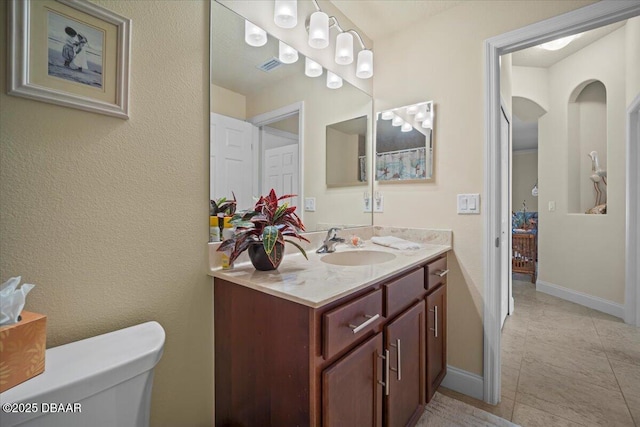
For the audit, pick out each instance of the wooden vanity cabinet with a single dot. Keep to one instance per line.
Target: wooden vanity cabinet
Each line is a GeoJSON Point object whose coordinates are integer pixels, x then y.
{"type": "Point", "coordinates": [358, 361]}
{"type": "Point", "coordinates": [436, 299]}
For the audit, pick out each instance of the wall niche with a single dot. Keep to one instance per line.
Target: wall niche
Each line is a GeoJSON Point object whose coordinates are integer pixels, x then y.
{"type": "Point", "coordinates": [587, 156]}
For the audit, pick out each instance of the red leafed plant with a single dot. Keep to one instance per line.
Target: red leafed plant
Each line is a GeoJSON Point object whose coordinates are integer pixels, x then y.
{"type": "Point", "coordinates": [267, 224]}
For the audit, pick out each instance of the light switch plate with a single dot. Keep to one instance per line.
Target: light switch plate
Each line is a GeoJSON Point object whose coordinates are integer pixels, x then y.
{"type": "Point", "coordinates": [378, 202]}
{"type": "Point", "coordinates": [552, 206]}
{"type": "Point", "coordinates": [310, 204]}
{"type": "Point", "coordinates": [469, 204]}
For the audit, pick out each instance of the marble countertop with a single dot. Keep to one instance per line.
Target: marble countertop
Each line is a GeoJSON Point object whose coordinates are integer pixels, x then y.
{"type": "Point", "coordinates": [315, 283]}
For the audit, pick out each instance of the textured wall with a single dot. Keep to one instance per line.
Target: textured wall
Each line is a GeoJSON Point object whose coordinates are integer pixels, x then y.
{"type": "Point", "coordinates": [446, 56]}
{"type": "Point", "coordinates": [109, 217]}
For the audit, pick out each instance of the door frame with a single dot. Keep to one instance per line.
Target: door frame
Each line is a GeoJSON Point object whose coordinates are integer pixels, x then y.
{"type": "Point", "coordinates": [277, 115]}
{"type": "Point", "coordinates": [577, 21]}
{"type": "Point", "coordinates": [632, 290]}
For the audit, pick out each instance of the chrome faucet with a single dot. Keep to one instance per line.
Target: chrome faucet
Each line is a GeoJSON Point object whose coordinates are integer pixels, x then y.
{"type": "Point", "coordinates": [330, 241]}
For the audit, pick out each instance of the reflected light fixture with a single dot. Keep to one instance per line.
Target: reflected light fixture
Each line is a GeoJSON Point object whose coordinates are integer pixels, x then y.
{"type": "Point", "coordinates": [254, 35]}
{"type": "Point", "coordinates": [412, 109]}
{"type": "Point", "coordinates": [558, 44]}
{"type": "Point", "coordinates": [427, 123]}
{"type": "Point", "coordinates": [333, 81]}
{"type": "Point", "coordinates": [421, 114]}
{"type": "Point", "coordinates": [344, 49]}
{"type": "Point", "coordinates": [397, 121]}
{"type": "Point", "coordinates": [387, 115]}
{"type": "Point", "coordinates": [319, 30]}
{"type": "Point", "coordinates": [285, 13]}
{"type": "Point", "coordinates": [312, 68]}
{"type": "Point", "coordinates": [534, 190]}
{"type": "Point", "coordinates": [406, 127]}
{"type": "Point", "coordinates": [287, 54]}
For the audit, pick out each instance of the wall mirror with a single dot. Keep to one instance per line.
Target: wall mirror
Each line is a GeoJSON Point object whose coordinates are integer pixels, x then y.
{"type": "Point", "coordinates": [268, 128]}
{"type": "Point", "coordinates": [347, 153]}
{"type": "Point", "coordinates": [404, 143]}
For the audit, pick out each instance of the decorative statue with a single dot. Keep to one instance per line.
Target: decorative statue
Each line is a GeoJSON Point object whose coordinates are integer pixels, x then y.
{"type": "Point", "coordinates": [597, 175]}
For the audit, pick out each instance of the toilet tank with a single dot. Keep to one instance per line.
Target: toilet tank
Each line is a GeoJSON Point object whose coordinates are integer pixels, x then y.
{"type": "Point", "coordinates": [103, 381]}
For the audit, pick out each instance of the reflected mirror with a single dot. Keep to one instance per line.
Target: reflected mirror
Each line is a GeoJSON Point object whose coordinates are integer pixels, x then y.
{"type": "Point", "coordinates": [269, 124]}
{"type": "Point", "coordinates": [347, 153]}
{"type": "Point", "coordinates": [404, 143]}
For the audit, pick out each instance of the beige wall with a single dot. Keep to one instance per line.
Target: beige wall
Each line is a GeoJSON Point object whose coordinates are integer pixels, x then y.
{"type": "Point", "coordinates": [633, 58]}
{"type": "Point", "coordinates": [570, 245]}
{"type": "Point", "coordinates": [228, 103]}
{"type": "Point", "coordinates": [446, 60]}
{"type": "Point", "coordinates": [525, 175]}
{"type": "Point", "coordinates": [109, 217]}
{"type": "Point", "coordinates": [342, 155]}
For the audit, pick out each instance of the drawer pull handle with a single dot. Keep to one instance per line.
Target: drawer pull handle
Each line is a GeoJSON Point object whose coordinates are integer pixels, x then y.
{"type": "Point", "coordinates": [370, 320]}
{"type": "Point", "coordinates": [441, 273]}
{"type": "Point", "coordinates": [385, 383]}
{"type": "Point", "coordinates": [399, 369]}
{"type": "Point", "coordinates": [435, 316]}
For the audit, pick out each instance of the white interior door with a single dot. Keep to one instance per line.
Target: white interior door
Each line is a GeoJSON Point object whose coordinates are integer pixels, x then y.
{"type": "Point", "coordinates": [505, 220]}
{"type": "Point", "coordinates": [231, 159]}
{"type": "Point", "coordinates": [280, 171]}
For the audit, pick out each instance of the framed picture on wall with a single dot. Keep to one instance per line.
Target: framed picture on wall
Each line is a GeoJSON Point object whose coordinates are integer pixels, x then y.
{"type": "Point", "coordinates": [71, 53]}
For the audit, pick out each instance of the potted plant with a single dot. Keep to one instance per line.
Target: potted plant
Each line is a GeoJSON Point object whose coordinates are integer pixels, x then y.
{"type": "Point", "coordinates": [263, 232]}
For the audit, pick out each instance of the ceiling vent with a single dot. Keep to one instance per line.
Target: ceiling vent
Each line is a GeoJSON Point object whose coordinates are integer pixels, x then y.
{"type": "Point", "coordinates": [269, 65]}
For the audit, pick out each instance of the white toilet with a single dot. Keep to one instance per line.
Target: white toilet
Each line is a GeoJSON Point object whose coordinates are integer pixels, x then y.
{"type": "Point", "coordinates": [103, 381]}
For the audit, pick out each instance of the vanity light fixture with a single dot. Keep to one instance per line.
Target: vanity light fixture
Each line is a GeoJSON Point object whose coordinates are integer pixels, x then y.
{"type": "Point", "coordinates": [421, 114]}
{"type": "Point", "coordinates": [287, 54]}
{"type": "Point", "coordinates": [412, 109]}
{"type": "Point", "coordinates": [312, 68]}
{"type": "Point", "coordinates": [558, 44]}
{"type": "Point", "coordinates": [254, 35]}
{"type": "Point", "coordinates": [406, 127]}
{"type": "Point", "coordinates": [427, 123]}
{"type": "Point", "coordinates": [285, 13]}
{"type": "Point", "coordinates": [319, 30]}
{"type": "Point", "coordinates": [333, 81]}
{"type": "Point", "coordinates": [387, 115]}
{"type": "Point", "coordinates": [364, 67]}
{"type": "Point", "coordinates": [397, 121]}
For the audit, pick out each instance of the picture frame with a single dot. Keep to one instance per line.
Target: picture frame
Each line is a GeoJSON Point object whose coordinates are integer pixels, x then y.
{"type": "Point", "coordinates": [71, 53]}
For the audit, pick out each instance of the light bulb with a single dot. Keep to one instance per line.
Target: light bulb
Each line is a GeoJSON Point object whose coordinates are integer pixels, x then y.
{"type": "Point", "coordinates": [312, 68]}
{"type": "Point", "coordinates": [319, 30]}
{"type": "Point", "coordinates": [387, 115]}
{"type": "Point", "coordinates": [333, 81]}
{"type": "Point", "coordinates": [287, 54]}
{"type": "Point", "coordinates": [344, 49]}
{"type": "Point", "coordinates": [406, 127]}
{"type": "Point", "coordinates": [285, 13]}
{"type": "Point", "coordinates": [254, 35]}
{"type": "Point", "coordinates": [397, 121]}
{"type": "Point", "coordinates": [364, 69]}
{"type": "Point", "coordinates": [421, 114]}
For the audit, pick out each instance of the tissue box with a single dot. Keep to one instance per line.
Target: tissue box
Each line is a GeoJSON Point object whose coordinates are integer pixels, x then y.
{"type": "Point", "coordinates": [22, 348]}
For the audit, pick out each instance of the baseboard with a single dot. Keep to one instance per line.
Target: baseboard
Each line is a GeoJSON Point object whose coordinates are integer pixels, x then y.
{"type": "Point", "coordinates": [581, 298]}
{"type": "Point", "coordinates": [464, 382]}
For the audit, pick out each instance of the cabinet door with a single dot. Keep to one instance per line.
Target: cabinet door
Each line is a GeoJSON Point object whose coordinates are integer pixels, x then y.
{"type": "Point", "coordinates": [436, 339]}
{"type": "Point", "coordinates": [352, 388]}
{"type": "Point", "coordinates": [405, 342]}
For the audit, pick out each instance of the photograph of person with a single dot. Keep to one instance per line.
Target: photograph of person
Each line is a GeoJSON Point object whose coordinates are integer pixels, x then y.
{"type": "Point", "coordinates": [75, 50]}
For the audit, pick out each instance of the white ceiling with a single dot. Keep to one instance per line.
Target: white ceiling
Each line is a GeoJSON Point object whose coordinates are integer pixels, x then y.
{"type": "Point", "coordinates": [381, 18]}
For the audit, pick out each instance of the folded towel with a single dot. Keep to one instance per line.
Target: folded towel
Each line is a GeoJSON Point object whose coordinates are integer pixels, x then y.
{"type": "Point", "coordinates": [394, 242]}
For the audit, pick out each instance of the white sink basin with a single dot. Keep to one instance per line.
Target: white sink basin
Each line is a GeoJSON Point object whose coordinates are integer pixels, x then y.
{"type": "Point", "coordinates": [352, 258]}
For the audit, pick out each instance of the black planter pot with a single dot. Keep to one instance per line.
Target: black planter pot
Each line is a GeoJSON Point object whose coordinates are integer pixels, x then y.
{"type": "Point", "coordinates": [259, 257]}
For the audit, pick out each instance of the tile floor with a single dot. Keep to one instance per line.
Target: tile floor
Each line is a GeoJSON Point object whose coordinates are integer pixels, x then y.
{"type": "Point", "coordinates": [565, 365]}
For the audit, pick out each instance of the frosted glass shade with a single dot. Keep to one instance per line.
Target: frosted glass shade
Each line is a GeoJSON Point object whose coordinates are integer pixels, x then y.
{"type": "Point", "coordinates": [344, 49]}
{"type": "Point", "coordinates": [396, 121]}
{"type": "Point", "coordinates": [312, 68]}
{"type": "Point", "coordinates": [412, 109]}
{"type": "Point", "coordinates": [364, 68]}
{"type": "Point", "coordinates": [406, 127]}
{"type": "Point", "coordinates": [421, 114]}
{"type": "Point", "coordinates": [387, 115]}
{"type": "Point", "coordinates": [558, 44]}
{"type": "Point", "coordinates": [285, 13]}
{"type": "Point", "coordinates": [427, 123]}
{"type": "Point", "coordinates": [254, 35]}
{"type": "Point", "coordinates": [333, 81]}
{"type": "Point", "coordinates": [287, 54]}
{"type": "Point", "coordinates": [319, 30]}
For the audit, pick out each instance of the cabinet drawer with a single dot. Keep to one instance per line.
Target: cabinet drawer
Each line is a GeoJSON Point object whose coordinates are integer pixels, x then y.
{"type": "Point", "coordinates": [402, 292]}
{"type": "Point", "coordinates": [348, 323]}
{"type": "Point", "coordinates": [437, 273]}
